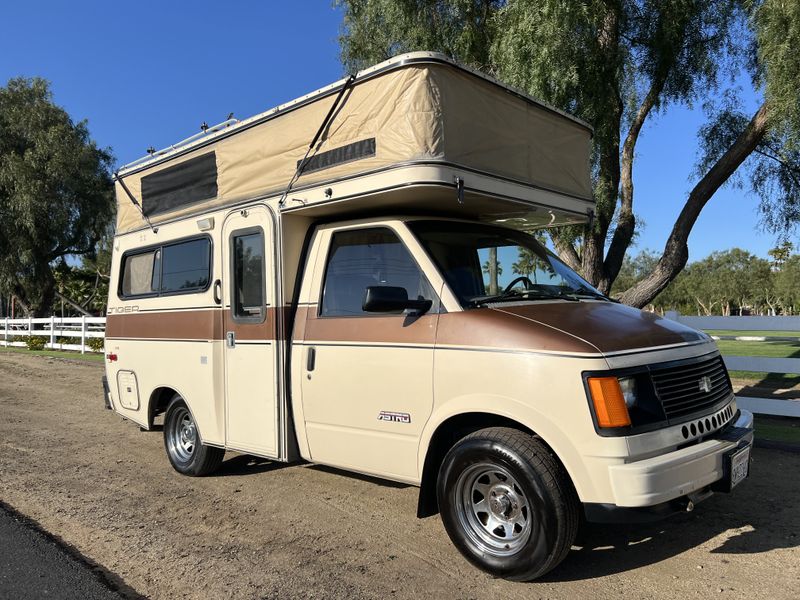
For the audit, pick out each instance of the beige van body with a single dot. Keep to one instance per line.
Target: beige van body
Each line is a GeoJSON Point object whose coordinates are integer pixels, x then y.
{"type": "Point", "coordinates": [229, 308]}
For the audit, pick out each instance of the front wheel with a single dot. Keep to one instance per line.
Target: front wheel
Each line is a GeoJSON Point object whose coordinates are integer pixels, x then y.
{"type": "Point", "coordinates": [185, 449]}
{"type": "Point", "coordinates": [507, 503]}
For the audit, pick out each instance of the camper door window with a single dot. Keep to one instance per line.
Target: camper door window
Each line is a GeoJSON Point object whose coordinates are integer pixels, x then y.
{"type": "Point", "coordinates": [249, 275]}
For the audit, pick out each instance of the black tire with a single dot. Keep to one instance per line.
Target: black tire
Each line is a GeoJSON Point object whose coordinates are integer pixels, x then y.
{"type": "Point", "coordinates": [507, 503]}
{"type": "Point", "coordinates": [185, 449]}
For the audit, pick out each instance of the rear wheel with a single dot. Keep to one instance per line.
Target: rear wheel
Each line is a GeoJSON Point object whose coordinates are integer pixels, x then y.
{"type": "Point", "coordinates": [185, 449]}
{"type": "Point", "coordinates": [507, 503]}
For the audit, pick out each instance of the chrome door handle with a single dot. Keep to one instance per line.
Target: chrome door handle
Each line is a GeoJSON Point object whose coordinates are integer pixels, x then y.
{"type": "Point", "coordinates": [218, 291]}
{"type": "Point", "coordinates": [230, 339]}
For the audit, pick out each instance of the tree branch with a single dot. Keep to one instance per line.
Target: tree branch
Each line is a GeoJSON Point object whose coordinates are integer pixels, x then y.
{"type": "Point", "coordinates": [793, 170]}
{"type": "Point", "coordinates": [73, 304]}
{"type": "Point", "coordinates": [676, 251]}
{"type": "Point", "coordinates": [626, 221]}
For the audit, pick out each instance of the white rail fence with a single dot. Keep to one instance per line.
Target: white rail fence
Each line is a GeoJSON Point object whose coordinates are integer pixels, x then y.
{"type": "Point", "coordinates": [784, 407]}
{"type": "Point", "coordinates": [76, 330]}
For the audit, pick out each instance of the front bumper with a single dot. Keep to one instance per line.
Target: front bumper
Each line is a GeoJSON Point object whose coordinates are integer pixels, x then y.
{"type": "Point", "coordinates": [664, 483]}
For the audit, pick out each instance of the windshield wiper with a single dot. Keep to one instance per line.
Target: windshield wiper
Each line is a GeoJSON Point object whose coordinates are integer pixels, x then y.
{"type": "Point", "coordinates": [583, 292]}
{"type": "Point", "coordinates": [526, 295]}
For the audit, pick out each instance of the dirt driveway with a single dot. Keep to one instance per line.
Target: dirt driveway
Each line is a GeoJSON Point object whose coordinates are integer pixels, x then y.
{"type": "Point", "coordinates": [260, 530]}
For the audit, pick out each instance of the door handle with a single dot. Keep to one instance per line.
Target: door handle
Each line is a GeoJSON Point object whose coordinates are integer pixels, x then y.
{"type": "Point", "coordinates": [311, 358]}
{"type": "Point", "coordinates": [218, 291]}
{"type": "Point", "coordinates": [230, 339]}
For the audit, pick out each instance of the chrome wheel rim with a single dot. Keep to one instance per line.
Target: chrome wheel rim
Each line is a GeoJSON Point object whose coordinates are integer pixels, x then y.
{"type": "Point", "coordinates": [182, 435]}
{"type": "Point", "coordinates": [493, 509]}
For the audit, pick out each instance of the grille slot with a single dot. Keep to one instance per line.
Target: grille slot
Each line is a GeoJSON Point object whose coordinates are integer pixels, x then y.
{"type": "Point", "coordinates": [680, 391]}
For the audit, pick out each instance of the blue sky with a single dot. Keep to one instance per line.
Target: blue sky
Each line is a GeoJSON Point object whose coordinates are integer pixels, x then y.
{"type": "Point", "coordinates": [150, 73]}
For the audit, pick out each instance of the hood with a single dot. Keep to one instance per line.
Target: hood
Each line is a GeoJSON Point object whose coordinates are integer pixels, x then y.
{"type": "Point", "coordinates": [607, 326]}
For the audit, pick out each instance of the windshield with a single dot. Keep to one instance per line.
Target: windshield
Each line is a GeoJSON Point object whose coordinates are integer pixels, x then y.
{"type": "Point", "coordinates": [484, 263]}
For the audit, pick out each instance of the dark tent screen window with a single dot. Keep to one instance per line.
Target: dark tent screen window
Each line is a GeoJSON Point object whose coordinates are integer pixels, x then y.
{"type": "Point", "coordinates": [189, 182]}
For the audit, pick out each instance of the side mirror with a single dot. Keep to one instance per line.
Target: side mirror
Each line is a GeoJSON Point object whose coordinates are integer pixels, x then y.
{"type": "Point", "coordinates": [384, 298]}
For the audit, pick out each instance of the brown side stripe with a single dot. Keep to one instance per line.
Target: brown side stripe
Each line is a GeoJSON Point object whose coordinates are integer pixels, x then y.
{"type": "Point", "coordinates": [189, 325]}
{"type": "Point", "coordinates": [184, 325]}
{"type": "Point", "coordinates": [608, 327]}
{"type": "Point", "coordinates": [395, 329]}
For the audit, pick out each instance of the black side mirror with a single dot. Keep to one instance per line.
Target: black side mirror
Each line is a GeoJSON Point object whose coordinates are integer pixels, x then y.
{"type": "Point", "coordinates": [384, 298]}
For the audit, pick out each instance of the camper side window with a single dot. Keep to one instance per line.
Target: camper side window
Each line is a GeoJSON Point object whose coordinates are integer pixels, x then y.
{"type": "Point", "coordinates": [177, 268]}
{"type": "Point", "coordinates": [138, 275]}
{"type": "Point", "coordinates": [248, 275]}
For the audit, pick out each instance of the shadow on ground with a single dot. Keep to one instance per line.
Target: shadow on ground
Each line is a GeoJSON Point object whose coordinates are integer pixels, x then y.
{"type": "Point", "coordinates": [243, 464]}
{"type": "Point", "coordinates": [757, 517]}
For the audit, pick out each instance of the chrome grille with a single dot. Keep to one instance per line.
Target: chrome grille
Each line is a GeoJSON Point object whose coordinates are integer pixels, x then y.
{"type": "Point", "coordinates": [690, 388]}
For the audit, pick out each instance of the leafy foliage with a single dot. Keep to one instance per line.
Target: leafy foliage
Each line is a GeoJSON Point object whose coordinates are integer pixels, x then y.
{"type": "Point", "coordinates": [36, 342]}
{"type": "Point", "coordinates": [724, 283]}
{"type": "Point", "coordinates": [613, 64]}
{"type": "Point", "coordinates": [96, 344]}
{"type": "Point", "coordinates": [55, 191]}
{"type": "Point", "coordinates": [375, 30]}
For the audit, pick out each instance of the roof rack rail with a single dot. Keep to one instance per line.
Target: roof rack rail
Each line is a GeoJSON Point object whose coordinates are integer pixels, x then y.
{"type": "Point", "coordinates": [186, 142]}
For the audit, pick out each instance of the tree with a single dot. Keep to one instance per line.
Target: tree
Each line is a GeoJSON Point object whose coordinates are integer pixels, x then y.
{"type": "Point", "coordinates": [527, 262]}
{"type": "Point", "coordinates": [615, 63]}
{"type": "Point", "coordinates": [781, 253]}
{"type": "Point", "coordinates": [787, 285]}
{"type": "Point", "coordinates": [83, 288]}
{"type": "Point", "coordinates": [494, 270]}
{"type": "Point", "coordinates": [56, 194]}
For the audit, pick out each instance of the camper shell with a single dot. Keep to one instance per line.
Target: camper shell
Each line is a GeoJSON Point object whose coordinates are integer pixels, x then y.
{"type": "Point", "coordinates": [280, 286]}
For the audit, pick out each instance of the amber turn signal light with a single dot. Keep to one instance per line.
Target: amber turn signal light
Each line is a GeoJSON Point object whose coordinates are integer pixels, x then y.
{"type": "Point", "coordinates": [609, 403]}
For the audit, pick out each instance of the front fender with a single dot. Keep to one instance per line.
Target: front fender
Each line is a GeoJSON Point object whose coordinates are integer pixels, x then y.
{"type": "Point", "coordinates": [565, 447]}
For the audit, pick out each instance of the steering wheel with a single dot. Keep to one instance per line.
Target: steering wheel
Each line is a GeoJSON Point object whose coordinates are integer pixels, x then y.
{"type": "Point", "coordinates": [521, 279]}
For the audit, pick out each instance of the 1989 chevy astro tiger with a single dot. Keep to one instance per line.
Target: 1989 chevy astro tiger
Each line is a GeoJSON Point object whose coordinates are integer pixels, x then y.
{"type": "Point", "coordinates": [374, 301]}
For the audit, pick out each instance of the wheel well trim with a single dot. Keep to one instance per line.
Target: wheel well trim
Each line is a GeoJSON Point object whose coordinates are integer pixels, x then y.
{"type": "Point", "coordinates": [523, 415]}
{"type": "Point", "coordinates": [174, 390]}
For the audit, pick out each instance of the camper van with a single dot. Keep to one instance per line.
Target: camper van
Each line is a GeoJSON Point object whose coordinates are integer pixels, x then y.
{"type": "Point", "coordinates": [356, 279]}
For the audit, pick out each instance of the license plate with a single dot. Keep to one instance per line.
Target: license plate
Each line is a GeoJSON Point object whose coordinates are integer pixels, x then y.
{"type": "Point", "coordinates": [740, 466]}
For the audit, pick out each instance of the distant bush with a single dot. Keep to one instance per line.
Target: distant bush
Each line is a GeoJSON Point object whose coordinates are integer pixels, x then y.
{"type": "Point", "coordinates": [65, 340]}
{"type": "Point", "coordinates": [96, 344]}
{"type": "Point", "coordinates": [36, 342]}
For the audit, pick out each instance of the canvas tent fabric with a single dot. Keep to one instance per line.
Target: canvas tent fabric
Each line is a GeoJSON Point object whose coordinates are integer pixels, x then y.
{"type": "Point", "coordinates": [415, 113]}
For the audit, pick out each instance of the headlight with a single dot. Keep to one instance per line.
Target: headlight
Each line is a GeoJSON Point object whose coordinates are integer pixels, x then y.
{"type": "Point", "coordinates": [628, 387]}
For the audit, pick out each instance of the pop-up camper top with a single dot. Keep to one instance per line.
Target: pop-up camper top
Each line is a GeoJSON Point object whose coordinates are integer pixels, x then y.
{"type": "Point", "coordinates": [349, 279]}
{"type": "Point", "coordinates": [402, 136]}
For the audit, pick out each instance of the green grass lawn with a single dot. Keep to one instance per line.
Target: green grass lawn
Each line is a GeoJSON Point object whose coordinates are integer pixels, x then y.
{"type": "Point", "coordinates": [90, 356]}
{"type": "Point", "coordinates": [763, 349]}
{"type": "Point", "coordinates": [778, 429]}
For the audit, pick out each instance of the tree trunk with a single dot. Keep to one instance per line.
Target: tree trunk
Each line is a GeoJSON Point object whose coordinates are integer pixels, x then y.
{"type": "Point", "coordinates": [676, 250]}
{"type": "Point", "coordinates": [607, 187]}
{"type": "Point", "coordinates": [567, 253]}
{"type": "Point", "coordinates": [626, 221]}
{"type": "Point", "coordinates": [494, 287]}
{"type": "Point", "coordinates": [16, 297]}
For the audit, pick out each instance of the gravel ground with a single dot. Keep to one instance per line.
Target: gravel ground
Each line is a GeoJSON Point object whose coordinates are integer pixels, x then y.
{"type": "Point", "coordinates": [263, 530]}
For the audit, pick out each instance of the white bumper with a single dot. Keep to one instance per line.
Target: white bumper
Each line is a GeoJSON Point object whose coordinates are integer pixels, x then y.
{"type": "Point", "coordinates": [675, 474]}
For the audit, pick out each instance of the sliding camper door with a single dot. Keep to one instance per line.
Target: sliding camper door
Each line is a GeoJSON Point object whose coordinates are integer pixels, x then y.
{"type": "Point", "coordinates": [251, 405]}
